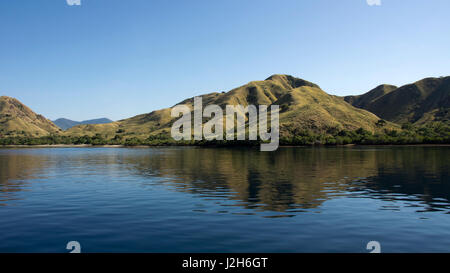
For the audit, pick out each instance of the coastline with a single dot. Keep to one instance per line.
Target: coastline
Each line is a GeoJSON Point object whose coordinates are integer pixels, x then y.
{"type": "Point", "coordinates": [210, 146]}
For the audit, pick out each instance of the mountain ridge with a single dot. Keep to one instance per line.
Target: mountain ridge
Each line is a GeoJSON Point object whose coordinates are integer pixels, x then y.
{"type": "Point", "coordinates": [304, 106]}
{"type": "Point", "coordinates": [65, 124]}
{"type": "Point", "coordinates": [364, 100]}
{"type": "Point", "coordinates": [421, 102]}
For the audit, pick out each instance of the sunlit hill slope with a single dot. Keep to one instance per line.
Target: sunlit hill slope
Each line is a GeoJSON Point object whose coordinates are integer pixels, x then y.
{"type": "Point", "coordinates": [16, 119]}
{"type": "Point", "coordinates": [303, 106]}
{"type": "Point", "coordinates": [421, 102]}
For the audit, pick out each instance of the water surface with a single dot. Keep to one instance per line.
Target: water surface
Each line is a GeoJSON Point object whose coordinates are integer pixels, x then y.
{"type": "Point", "coordinates": [189, 199]}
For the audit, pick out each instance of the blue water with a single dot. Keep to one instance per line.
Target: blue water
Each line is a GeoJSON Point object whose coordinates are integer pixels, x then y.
{"type": "Point", "coordinates": [189, 199]}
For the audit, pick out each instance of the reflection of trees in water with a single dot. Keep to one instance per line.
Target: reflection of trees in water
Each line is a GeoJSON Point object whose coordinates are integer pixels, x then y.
{"type": "Point", "coordinates": [421, 174]}
{"type": "Point", "coordinates": [289, 179]}
{"type": "Point", "coordinates": [303, 177]}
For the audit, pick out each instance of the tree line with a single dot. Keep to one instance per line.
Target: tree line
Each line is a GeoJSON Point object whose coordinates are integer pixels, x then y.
{"type": "Point", "coordinates": [433, 133]}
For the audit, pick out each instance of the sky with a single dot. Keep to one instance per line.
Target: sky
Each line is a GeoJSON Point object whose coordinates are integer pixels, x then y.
{"type": "Point", "coordinates": [120, 58]}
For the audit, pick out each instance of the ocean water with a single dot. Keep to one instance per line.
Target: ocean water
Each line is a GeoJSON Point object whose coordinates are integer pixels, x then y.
{"type": "Point", "coordinates": [190, 199]}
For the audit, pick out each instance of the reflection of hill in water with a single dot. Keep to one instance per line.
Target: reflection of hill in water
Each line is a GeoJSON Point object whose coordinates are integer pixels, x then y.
{"type": "Point", "coordinates": [289, 179]}
{"type": "Point", "coordinates": [303, 177]}
{"type": "Point", "coordinates": [15, 170]}
{"type": "Point", "coordinates": [275, 180]}
{"type": "Point", "coordinates": [411, 174]}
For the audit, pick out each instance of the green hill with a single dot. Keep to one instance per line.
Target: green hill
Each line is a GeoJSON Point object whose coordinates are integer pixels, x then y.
{"type": "Point", "coordinates": [308, 115]}
{"type": "Point", "coordinates": [17, 119]}
{"type": "Point", "coordinates": [304, 106]}
{"type": "Point", "coordinates": [420, 103]}
{"type": "Point", "coordinates": [363, 101]}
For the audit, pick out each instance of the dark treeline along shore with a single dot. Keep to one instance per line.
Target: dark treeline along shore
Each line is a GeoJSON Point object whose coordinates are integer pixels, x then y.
{"type": "Point", "coordinates": [437, 134]}
{"type": "Point", "coordinates": [417, 113]}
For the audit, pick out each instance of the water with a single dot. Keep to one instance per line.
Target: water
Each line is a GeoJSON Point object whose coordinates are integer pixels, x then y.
{"type": "Point", "coordinates": [225, 200]}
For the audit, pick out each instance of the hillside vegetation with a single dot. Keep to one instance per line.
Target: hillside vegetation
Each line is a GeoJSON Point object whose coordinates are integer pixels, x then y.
{"type": "Point", "coordinates": [363, 101]}
{"type": "Point", "coordinates": [420, 103]}
{"type": "Point", "coordinates": [412, 114]}
{"type": "Point", "coordinates": [16, 119]}
{"type": "Point", "coordinates": [303, 106]}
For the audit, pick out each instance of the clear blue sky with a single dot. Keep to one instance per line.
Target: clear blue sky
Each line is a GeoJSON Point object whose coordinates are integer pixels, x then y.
{"type": "Point", "coordinates": [119, 58]}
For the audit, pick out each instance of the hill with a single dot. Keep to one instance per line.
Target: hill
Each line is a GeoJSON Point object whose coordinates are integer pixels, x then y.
{"type": "Point", "coordinates": [363, 101]}
{"type": "Point", "coordinates": [420, 103]}
{"type": "Point", "coordinates": [16, 119]}
{"type": "Point", "coordinates": [65, 124]}
{"type": "Point", "coordinates": [304, 106]}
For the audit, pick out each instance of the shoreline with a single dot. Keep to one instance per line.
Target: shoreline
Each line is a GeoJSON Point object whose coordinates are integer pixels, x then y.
{"type": "Point", "coordinates": [210, 146]}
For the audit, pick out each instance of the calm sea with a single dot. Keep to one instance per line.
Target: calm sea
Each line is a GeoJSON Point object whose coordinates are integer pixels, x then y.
{"type": "Point", "coordinates": [189, 199]}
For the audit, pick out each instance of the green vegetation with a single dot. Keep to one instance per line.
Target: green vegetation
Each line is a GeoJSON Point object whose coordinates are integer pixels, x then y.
{"type": "Point", "coordinates": [365, 100]}
{"type": "Point", "coordinates": [17, 119]}
{"type": "Point", "coordinates": [413, 114]}
{"type": "Point", "coordinates": [303, 105]}
{"type": "Point", "coordinates": [424, 101]}
{"type": "Point", "coordinates": [435, 133]}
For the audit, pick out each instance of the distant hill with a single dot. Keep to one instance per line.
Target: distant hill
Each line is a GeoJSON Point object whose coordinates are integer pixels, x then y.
{"type": "Point", "coordinates": [16, 119]}
{"type": "Point", "coordinates": [65, 124]}
{"type": "Point", "coordinates": [363, 101]}
{"type": "Point", "coordinates": [304, 106]}
{"type": "Point", "coordinates": [421, 102]}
